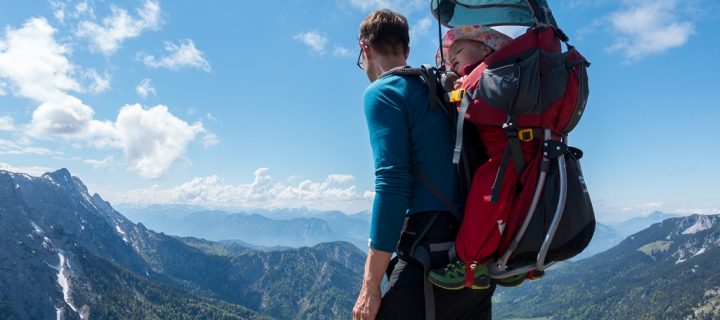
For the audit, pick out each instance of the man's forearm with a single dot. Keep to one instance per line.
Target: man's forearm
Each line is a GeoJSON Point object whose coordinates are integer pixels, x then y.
{"type": "Point", "coordinates": [375, 267]}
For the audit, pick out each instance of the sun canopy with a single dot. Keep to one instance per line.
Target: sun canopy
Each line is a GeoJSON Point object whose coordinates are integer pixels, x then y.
{"type": "Point", "coordinates": [452, 13]}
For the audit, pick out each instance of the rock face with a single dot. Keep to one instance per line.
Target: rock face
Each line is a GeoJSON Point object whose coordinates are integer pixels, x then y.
{"type": "Point", "coordinates": [667, 271]}
{"type": "Point", "coordinates": [66, 254]}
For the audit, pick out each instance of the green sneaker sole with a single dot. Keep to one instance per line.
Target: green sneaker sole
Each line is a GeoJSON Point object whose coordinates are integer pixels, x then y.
{"type": "Point", "coordinates": [480, 283]}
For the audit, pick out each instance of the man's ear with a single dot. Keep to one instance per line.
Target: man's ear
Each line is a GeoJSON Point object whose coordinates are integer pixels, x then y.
{"type": "Point", "coordinates": [407, 52]}
{"type": "Point", "coordinates": [368, 53]}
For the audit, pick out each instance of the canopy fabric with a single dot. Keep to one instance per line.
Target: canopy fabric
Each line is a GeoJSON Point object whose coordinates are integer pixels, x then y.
{"type": "Point", "coordinates": [452, 13]}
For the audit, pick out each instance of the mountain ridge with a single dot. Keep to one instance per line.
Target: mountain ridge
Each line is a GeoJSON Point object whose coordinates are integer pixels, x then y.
{"type": "Point", "coordinates": [56, 239]}
{"type": "Point", "coordinates": [667, 271]}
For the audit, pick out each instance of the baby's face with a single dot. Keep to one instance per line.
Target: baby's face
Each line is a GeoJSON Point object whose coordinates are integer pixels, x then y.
{"type": "Point", "coordinates": [464, 52]}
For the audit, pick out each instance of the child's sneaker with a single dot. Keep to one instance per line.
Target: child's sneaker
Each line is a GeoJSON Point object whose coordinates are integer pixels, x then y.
{"type": "Point", "coordinates": [452, 277]}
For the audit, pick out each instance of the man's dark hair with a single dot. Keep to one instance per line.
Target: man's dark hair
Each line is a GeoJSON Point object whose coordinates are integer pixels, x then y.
{"type": "Point", "coordinates": [386, 32]}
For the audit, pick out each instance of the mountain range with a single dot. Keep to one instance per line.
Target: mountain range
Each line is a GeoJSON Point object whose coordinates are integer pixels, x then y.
{"type": "Point", "coordinates": [284, 228]}
{"type": "Point", "coordinates": [66, 254]}
{"type": "Point", "coordinates": [667, 271]}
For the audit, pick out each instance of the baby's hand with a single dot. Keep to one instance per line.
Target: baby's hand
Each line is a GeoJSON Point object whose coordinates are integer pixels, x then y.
{"type": "Point", "coordinates": [458, 83]}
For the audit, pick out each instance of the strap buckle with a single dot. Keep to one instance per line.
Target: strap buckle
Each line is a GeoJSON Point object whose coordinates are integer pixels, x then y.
{"type": "Point", "coordinates": [457, 95]}
{"type": "Point", "coordinates": [526, 135]}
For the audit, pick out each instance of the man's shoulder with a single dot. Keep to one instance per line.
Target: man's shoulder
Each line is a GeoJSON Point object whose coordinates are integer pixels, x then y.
{"type": "Point", "coordinates": [394, 84]}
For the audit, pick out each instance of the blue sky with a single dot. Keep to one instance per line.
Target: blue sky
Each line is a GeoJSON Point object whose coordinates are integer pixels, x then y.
{"type": "Point", "coordinates": [258, 104]}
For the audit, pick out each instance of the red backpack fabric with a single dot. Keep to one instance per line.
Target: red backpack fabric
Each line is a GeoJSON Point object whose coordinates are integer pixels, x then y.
{"type": "Point", "coordinates": [522, 102]}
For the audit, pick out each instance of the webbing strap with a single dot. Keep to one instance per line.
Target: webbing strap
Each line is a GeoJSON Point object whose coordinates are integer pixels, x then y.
{"type": "Point", "coordinates": [499, 177]}
{"type": "Point", "coordinates": [423, 256]}
{"type": "Point", "coordinates": [464, 104]}
{"type": "Point", "coordinates": [516, 152]}
{"type": "Point", "coordinates": [438, 194]}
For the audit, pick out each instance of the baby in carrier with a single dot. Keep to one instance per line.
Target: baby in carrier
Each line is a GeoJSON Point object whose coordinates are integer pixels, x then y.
{"type": "Point", "coordinates": [485, 219]}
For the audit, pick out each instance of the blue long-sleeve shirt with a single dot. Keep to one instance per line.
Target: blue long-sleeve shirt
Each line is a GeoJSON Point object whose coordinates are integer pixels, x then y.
{"type": "Point", "coordinates": [406, 133]}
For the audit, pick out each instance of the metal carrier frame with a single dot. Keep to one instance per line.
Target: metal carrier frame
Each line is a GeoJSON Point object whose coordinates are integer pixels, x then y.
{"type": "Point", "coordinates": [500, 269]}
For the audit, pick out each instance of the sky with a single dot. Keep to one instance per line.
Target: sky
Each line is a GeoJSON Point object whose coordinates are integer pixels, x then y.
{"type": "Point", "coordinates": [258, 104]}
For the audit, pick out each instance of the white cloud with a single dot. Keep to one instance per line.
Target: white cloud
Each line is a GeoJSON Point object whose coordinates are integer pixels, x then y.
{"type": "Point", "coordinates": [33, 171]}
{"type": "Point", "coordinates": [180, 56]}
{"type": "Point", "coordinates": [37, 68]}
{"type": "Point", "coordinates": [58, 10]}
{"type": "Point", "coordinates": [152, 139]}
{"type": "Point", "coordinates": [107, 162]}
{"type": "Point", "coordinates": [341, 51]}
{"type": "Point", "coordinates": [705, 211]}
{"type": "Point", "coordinates": [119, 26]}
{"type": "Point", "coordinates": [7, 123]}
{"type": "Point", "coordinates": [144, 88]}
{"type": "Point", "coordinates": [647, 27]}
{"type": "Point", "coordinates": [14, 148]}
{"type": "Point", "coordinates": [420, 29]}
{"type": "Point", "coordinates": [67, 117]}
{"type": "Point", "coordinates": [97, 82]}
{"type": "Point", "coordinates": [340, 178]}
{"type": "Point", "coordinates": [403, 6]}
{"type": "Point", "coordinates": [210, 139]}
{"type": "Point", "coordinates": [644, 207]}
{"type": "Point", "coordinates": [313, 40]}
{"type": "Point", "coordinates": [35, 64]}
{"type": "Point", "coordinates": [262, 192]}
{"type": "Point", "coordinates": [84, 9]}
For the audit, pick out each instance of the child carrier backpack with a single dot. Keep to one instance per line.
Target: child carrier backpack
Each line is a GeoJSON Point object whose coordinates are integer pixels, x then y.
{"type": "Point", "coordinates": [535, 92]}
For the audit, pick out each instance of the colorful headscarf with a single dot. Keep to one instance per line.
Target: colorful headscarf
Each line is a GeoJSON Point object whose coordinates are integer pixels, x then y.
{"type": "Point", "coordinates": [488, 36]}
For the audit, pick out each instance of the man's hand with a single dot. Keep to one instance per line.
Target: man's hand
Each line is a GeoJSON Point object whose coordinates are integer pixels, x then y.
{"type": "Point", "coordinates": [368, 302]}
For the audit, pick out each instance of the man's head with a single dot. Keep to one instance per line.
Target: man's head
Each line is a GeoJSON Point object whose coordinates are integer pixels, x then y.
{"type": "Point", "coordinates": [384, 37]}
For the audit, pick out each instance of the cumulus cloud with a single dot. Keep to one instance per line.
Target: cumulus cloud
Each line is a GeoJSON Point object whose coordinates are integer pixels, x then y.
{"type": "Point", "coordinates": [645, 27]}
{"type": "Point", "coordinates": [420, 29]}
{"type": "Point", "coordinates": [97, 83]}
{"type": "Point", "coordinates": [35, 63]}
{"type": "Point", "coordinates": [210, 139]}
{"type": "Point", "coordinates": [182, 55]}
{"type": "Point", "coordinates": [342, 52]}
{"type": "Point", "coordinates": [33, 171]}
{"type": "Point", "coordinates": [144, 88]}
{"type": "Point", "coordinates": [119, 26]}
{"type": "Point", "coordinates": [333, 193]}
{"type": "Point", "coordinates": [58, 10]}
{"type": "Point", "coordinates": [7, 123]}
{"type": "Point", "coordinates": [67, 117]}
{"type": "Point", "coordinates": [151, 139]}
{"type": "Point", "coordinates": [314, 40]}
{"type": "Point", "coordinates": [82, 9]}
{"type": "Point", "coordinates": [36, 67]}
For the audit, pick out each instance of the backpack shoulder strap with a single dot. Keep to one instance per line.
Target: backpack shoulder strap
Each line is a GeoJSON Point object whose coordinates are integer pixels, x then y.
{"type": "Point", "coordinates": [438, 194]}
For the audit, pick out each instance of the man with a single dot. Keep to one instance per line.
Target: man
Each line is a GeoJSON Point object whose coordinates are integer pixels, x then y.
{"type": "Point", "coordinates": [408, 138]}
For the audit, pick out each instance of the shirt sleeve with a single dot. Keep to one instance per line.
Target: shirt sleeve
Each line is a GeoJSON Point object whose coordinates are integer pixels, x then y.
{"type": "Point", "coordinates": [387, 118]}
